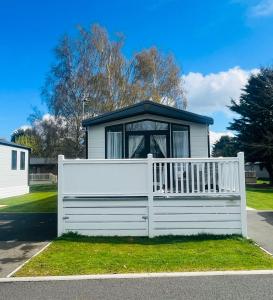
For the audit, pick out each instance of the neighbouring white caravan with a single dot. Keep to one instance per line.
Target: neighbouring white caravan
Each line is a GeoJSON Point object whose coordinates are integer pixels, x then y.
{"type": "Point", "coordinates": [14, 168]}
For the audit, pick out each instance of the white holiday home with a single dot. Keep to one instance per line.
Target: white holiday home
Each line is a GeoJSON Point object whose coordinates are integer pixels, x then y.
{"type": "Point", "coordinates": [13, 169]}
{"type": "Point", "coordinates": [148, 173]}
{"type": "Point", "coordinates": [148, 127]}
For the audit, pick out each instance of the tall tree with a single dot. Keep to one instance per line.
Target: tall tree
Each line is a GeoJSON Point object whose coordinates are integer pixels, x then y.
{"type": "Point", "coordinates": [29, 138]}
{"type": "Point", "coordinates": [226, 146]}
{"type": "Point", "coordinates": [159, 78]}
{"type": "Point", "coordinates": [47, 137]}
{"type": "Point", "coordinates": [19, 132]}
{"type": "Point", "coordinates": [92, 76]}
{"type": "Point", "coordinates": [254, 125]}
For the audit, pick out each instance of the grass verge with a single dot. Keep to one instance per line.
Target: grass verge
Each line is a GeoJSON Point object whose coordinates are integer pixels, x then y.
{"type": "Point", "coordinates": [260, 197]}
{"type": "Point", "coordinates": [73, 254]}
{"type": "Point", "coordinates": [42, 198]}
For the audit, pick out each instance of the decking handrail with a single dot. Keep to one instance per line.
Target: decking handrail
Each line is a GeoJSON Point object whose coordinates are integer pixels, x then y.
{"type": "Point", "coordinates": [196, 176]}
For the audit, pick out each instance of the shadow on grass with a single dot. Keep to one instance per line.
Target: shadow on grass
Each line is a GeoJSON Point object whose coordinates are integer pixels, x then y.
{"type": "Point", "coordinates": [47, 204]}
{"type": "Point", "coordinates": [43, 188]}
{"type": "Point", "coordinates": [74, 237]}
{"type": "Point", "coordinates": [260, 190]}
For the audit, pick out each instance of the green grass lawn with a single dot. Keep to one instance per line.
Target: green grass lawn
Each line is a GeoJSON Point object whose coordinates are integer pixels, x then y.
{"type": "Point", "coordinates": [42, 198]}
{"type": "Point", "coordinates": [260, 197]}
{"type": "Point", "coordinates": [74, 254]}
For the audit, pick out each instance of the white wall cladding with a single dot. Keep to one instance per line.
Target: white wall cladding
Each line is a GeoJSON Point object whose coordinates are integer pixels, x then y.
{"type": "Point", "coordinates": [12, 182]}
{"type": "Point", "coordinates": [106, 216]}
{"type": "Point", "coordinates": [186, 216]}
{"type": "Point", "coordinates": [172, 216]}
{"type": "Point", "coordinates": [198, 136]}
{"type": "Point", "coordinates": [118, 197]}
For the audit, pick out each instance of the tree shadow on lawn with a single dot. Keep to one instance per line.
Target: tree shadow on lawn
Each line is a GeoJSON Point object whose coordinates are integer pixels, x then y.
{"type": "Point", "coordinates": [261, 190]}
{"type": "Point", "coordinates": [74, 237]}
{"type": "Point", "coordinates": [46, 204]}
{"type": "Point", "coordinates": [43, 188]}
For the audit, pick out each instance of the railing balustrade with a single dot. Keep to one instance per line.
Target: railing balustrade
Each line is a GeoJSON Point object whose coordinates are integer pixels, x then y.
{"type": "Point", "coordinates": [196, 176]}
{"type": "Point", "coordinates": [43, 177]}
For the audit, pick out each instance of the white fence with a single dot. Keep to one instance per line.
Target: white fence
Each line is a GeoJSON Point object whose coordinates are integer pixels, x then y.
{"type": "Point", "coordinates": [152, 196]}
{"type": "Point", "coordinates": [42, 178]}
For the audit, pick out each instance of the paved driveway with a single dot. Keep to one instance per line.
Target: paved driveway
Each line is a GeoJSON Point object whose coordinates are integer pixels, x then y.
{"type": "Point", "coordinates": [22, 235]}
{"type": "Point", "coordinates": [260, 228]}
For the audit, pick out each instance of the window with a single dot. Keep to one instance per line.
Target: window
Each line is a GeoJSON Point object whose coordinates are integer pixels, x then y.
{"type": "Point", "coordinates": [180, 140]}
{"type": "Point", "coordinates": [114, 142]}
{"type": "Point", "coordinates": [146, 125]}
{"type": "Point", "coordinates": [22, 160]}
{"type": "Point", "coordinates": [138, 139]}
{"type": "Point", "coordinates": [14, 160]}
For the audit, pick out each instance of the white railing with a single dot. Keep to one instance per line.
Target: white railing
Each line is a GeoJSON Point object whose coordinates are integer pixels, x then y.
{"type": "Point", "coordinates": [194, 176]}
{"type": "Point", "coordinates": [49, 177]}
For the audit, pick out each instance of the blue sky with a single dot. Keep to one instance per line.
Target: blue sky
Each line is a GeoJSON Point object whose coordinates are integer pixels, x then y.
{"type": "Point", "coordinates": [217, 44]}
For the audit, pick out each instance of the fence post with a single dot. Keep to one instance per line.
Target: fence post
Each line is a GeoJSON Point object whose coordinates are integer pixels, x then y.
{"type": "Point", "coordinates": [242, 186]}
{"type": "Point", "coordinates": [60, 194]}
{"type": "Point", "coordinates": [150, 196]}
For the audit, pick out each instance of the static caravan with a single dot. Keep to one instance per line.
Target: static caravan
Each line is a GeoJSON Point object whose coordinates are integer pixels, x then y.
{"type": "Point", "coordinates": [14, 166]}
{"type": "Point", "coordinates": [148, 127]}
{"type": "Point", "coordinates": [148, 173]}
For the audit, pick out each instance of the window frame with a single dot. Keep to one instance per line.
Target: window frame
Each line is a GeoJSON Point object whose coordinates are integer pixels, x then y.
{"type": "Point", "coordinates": [143, 130]}
{"type": "Point", "coordinates": [22, 155]}
{"type": "Point", "coordinates": [107, 129]}
{"type": "Point", "coordinates": [189, 137]}
{"type": "Point", "coordinates": [14, 162]}
{"type": "Point", "coordinates": [168, 132]}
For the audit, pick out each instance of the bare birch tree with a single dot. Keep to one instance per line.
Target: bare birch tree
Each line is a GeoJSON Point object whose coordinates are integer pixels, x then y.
{"type": "Point", "coordinates": [91, 72]}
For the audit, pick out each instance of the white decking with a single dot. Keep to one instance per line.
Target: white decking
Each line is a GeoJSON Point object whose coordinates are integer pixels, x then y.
{"type": "Point", "coordinates": [152, 196]}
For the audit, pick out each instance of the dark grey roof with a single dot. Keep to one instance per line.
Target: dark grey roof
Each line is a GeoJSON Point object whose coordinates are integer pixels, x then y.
{"type": "Point", "coordinates": [148, 107]}
{"type": "Point", "coordinates": [43, 161]}
{"type": "Point", "coordinates": [10, 144]}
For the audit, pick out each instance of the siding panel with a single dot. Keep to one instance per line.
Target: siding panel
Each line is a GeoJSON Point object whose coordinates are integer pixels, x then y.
{"type": "Point", "coordinates": [106, 217]}
{"type": "Point", "coordinates": [129, 216]}
{"type": "Point", "coordinates": [12, 182]}
{"type": "Point", "coordinates": [209, 216]}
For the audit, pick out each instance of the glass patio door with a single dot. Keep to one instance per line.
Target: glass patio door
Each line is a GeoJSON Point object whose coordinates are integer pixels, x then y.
{"type": "Point", "coordinates": [137, 146]}
{"type": "Point", "coordinates": [158, 145]}
{"type": "Point", "coordinates": [140, 145]}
